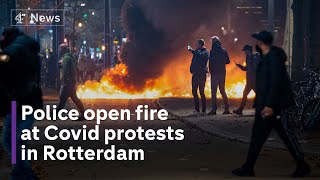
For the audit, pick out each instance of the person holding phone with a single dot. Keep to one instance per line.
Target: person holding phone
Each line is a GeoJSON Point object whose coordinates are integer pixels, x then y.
{"type": "Point", "coordinates": [250, 69]}
{"type": "Point", "coordinates": [199, 70]}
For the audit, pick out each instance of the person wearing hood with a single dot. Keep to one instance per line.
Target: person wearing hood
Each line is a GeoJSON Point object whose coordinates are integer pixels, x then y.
{"type": "Point", "coordinates": [19, 85]}
{"type": "Point", "coordinates": [250, 69]}
{"type": "Point", "coordinates": [217, 66]}
{"type": "Point", "coordinates": [273, 96]}
{"type": "Point", "coordinates": [199, 70]}
{"type": "Point", "coordinates": [69, 79]}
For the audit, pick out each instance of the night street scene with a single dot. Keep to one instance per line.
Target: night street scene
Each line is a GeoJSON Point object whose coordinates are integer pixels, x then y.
{"type": "Point", "coordinates": [159, 89]}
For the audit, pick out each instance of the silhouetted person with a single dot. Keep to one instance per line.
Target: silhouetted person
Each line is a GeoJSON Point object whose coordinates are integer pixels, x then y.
{"type": "Point", "coordinates": [81, 67]}
{"type": "Point", "coordinates": [20, 82]}
{"type": "Point", "coordinates": [199, 70]}
{"type": "Point", "coordinates": [91, 69]}
{"type": "Point", "coordinates": [69, 79]}
{"type": "Point", "coordinates": [116, 59]}
{"type": "Point", "coordinates": [100, 66]}
{"type": "Point", "coordinates": [250, 68]}
{"type": "Point", "coordinates": [217, 66]}
{"type": "Point", "coordinates": [273, 96]}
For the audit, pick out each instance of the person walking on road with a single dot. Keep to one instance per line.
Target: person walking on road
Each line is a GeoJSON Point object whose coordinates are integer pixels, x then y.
{"type": "Point", "coordinates": [69, 79]}
{"type": "Point", "coordinates": [250, 68]}
{"type": "Point", "coordinates": [273, 96]}
{"type": "Point", "coordinates": [19, 85]}
{"type": "Point", "coordinates": [199, 70]}
{"type": "Point", "coordinates": [217, 66]}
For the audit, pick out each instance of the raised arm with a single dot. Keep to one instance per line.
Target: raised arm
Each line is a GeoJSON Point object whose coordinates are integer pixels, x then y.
{"type": "Point", "coordinates": [243, 68]}
{"type": "Point", "coordinates": [201, 54]}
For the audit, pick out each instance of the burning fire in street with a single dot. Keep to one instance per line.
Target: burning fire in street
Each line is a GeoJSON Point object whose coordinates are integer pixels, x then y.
{"type": "Point", "coordinates": [155, 64]}
{"type": "Point", "coordinates": [111, 86]}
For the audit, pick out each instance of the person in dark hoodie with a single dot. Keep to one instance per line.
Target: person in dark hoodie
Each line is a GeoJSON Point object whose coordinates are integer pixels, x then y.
{"type": "Point", "coordinates": [217, 66]}
{"type": "Point", "coordinates": [273, 97]}
{"type": "Point", "coordinates": [68, 64]}
{"type": "Point", "coordinates": [199, 70]}
{"type": "Point", "coordinates": [19, 85]}
{"type": "Point", "coordinates": [250, 68]}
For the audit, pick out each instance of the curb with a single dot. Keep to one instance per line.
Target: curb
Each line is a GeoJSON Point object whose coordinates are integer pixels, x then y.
{"type": "Point", "coordinates": [217, 134]}
{"type": "Point", "coordinates": [221, 135]}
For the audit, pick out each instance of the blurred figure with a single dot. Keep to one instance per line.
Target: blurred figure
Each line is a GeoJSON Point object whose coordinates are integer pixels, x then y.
{"type": "Point", "coordinates": [250, 68]}
{"type": "Point", "coordinates": [91, 68]}
{"type": "Point", "coordinates": [217, 66]}
{"type": "Point", "coordinates": [68, 64]}
{"type": "Point", "coordinates": [116, 59]}
{"type": "Point", "coordinates": [273, 97]}
{"type": "Point", "coordinates": [199, 70]}
{"type": "Point", "coordinates": [100, 67]}
{"type": "Point", "coordinates": [20, 82]}
{"type": "Point", "coordinates": [81, 67]}
{"type": "Point", "coordinates": [52, 70]}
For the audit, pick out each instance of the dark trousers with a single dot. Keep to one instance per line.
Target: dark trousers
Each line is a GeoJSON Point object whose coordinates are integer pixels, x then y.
{"type": "Point", "coordinates": [67, 91]}
{"type": "Point", "coordinates": [260, 132]}
{"type": "Point", "coordinates": [215, 82]}
{"type": "Point", "coordinates": [22, 169]}
{"type": "Point", "coordinates": [246, 92]}
{"type": "Point", "coordinates": [199, 82]}
{"type": "Point", "coordinates": [91, 74]}
{"type": "Point", "coordinates": [81, 76]}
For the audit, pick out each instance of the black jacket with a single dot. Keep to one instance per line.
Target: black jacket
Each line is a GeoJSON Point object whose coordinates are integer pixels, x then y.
{"type": "Point", "coordinates": [199, 63]}
{"type": "Point", "coordinates": [69, 69]}
{"type": "Point", "coordinates": [250, 68]}
{"type": "Point", "coordinates": [218, 60]}
{"type": "Point", "coordinates": [20, 76]}
{"type": "Point", "coordinates": [273, 88]}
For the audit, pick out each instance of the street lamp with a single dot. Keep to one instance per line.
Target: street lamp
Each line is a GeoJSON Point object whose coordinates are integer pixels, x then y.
{"type": "Point", "coordinates": [84, 42]}
{"type": "Point", "coordinates": [271, 15]}
{"type": "Point", "coordinates": [103, 48]}
{"type": "Point", "coordinates": [80, 24]}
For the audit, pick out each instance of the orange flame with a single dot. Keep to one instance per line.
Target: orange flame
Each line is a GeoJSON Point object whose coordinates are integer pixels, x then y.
{"type": "Point", "coordinates": [106, 89]}
{"type": "Point", "coordinates": [175, 82]}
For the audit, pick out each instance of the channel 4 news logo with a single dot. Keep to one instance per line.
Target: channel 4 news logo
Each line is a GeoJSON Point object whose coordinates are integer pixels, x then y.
{"type": "Point", "coordinates": [37, 17]}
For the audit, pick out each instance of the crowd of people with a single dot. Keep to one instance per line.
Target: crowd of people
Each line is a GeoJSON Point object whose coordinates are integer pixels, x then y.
{"type": "Point", "coordinates": [214, 62]}
{"type": "Point", "coordinates": [267, 76]}
{"type": "Point", "coordinates": [89, 69]}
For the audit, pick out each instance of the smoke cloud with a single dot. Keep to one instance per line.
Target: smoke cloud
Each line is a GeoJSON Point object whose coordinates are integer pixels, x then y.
{"type": "Point", "coordinates": [160, 30]}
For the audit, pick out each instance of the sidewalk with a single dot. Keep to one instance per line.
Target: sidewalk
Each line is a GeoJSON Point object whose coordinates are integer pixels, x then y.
{"type": "Point", "coordinates": [233, 127]}
{"type": "Point", "coordinates": [50, 94]}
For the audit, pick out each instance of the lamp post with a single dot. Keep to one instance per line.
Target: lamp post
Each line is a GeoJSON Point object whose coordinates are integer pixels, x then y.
{"type": "Point", "coordinates": [271, 15]}
{"type": "Point", "coordinates": [107, 34]}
